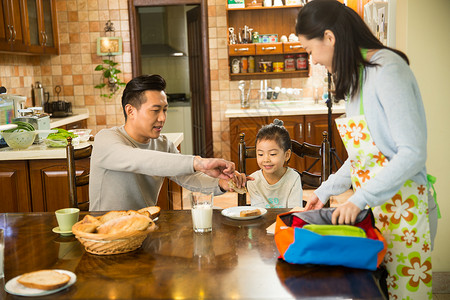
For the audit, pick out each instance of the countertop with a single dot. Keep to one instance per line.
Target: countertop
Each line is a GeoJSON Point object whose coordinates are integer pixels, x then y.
{"type": "Point", "coordinates": [78, 115]}
{"type": "Point", "coordinates": [41, 151]}
{"type": "Point", "coordinates": [283, 108]}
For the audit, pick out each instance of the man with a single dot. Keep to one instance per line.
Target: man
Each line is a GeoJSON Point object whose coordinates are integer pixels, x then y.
{"type": "Point", "coordinates": [129, 163]}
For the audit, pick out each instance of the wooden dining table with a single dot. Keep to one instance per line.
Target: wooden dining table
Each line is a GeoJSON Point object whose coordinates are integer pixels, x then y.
{"type": "Point", "coordinates": [237, 260]}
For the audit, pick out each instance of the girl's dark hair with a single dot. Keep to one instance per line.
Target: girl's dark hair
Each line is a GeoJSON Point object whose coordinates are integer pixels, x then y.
{"type": "Point", "coordinates": [134, 91]}
{"type": "Point", "coordinates": [351, 34]}
{"type": "Point", "coordinates": [275, 132]}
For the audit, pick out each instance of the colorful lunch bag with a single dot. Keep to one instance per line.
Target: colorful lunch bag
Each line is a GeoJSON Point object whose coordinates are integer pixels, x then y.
{"type": "Point", "coordinates": [310, 238]}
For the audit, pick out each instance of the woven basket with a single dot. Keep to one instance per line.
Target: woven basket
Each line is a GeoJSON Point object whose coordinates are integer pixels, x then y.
{"type": "Point", "coordinates": [107, 244]}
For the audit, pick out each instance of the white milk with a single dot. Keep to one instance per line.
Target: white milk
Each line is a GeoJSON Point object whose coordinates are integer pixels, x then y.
{"type": "Point", "coordinates": [202, 218]}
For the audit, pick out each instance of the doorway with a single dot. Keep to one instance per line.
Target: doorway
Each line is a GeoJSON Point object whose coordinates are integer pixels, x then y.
{"type": "Point", "coordinates": [168, 38]}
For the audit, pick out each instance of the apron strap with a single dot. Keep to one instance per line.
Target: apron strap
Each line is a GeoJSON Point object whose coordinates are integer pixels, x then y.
{"type": "Point", "coordinates": [431, 180]}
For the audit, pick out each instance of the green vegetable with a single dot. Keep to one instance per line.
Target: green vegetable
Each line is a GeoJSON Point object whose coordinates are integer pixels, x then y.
{"type": "Point", "coordinates": [21, 126]}
{"type": "Point", "coordinates": [59, 139]}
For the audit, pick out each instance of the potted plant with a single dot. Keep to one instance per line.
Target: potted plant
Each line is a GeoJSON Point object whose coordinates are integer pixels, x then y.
{"type": "Point", "coordinates": [110, 74]}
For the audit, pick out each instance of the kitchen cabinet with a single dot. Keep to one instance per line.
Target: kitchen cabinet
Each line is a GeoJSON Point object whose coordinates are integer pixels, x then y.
{"type": "Point", "coordinates": [29, 27]}
{"type": "Point", "coordinates": [265, 20]}
{"type": "Point", "coordinates": [303, 128]}
{"type": "Point", "coordinates": [43, 29]}
{"type": "Point", "coordinates": [75, 125]}
{"type": "Point", "coordinates": [14, 187]}
{"type": "Point", "coordinates": [13, 26]}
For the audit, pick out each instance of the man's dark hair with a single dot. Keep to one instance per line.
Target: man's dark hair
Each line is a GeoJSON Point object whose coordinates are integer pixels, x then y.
{"type": "Point", "coordinates": [135, 89]}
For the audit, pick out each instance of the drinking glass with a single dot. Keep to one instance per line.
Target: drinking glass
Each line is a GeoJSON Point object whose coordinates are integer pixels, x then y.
{"type": "Point", "coordinates": [201, 207]}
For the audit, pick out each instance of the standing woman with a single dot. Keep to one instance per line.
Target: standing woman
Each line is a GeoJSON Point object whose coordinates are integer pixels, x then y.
{"type": "Point", "coordinates": [385, 135]}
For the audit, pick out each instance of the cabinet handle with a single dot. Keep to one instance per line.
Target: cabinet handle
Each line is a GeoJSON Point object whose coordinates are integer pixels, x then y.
{"type": "Point", "coordinates": [241, 49]}
{"type": "Point", "coordinates": [45, 36]}
{"type": "Point", "coordinates": [300, 128]}
{"type": "Point", "coordinates": [14, 31]}
{"type": "Point", "coordinates": [10, 33]}
{"type": "Point", "coordinates": [295, 46]}
{"type": "Point", "coordinates": [309, 130]}
{"type": "Point", "coordinates": [269, 48]}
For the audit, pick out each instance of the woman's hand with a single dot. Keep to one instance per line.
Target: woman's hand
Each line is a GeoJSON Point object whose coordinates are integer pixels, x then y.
{"type": "Point", "coordinates": [313, 203]}
{"type": "Point", "coordinates": [239, 179]}
{"type": "Point", "coordinates": [345, 214]}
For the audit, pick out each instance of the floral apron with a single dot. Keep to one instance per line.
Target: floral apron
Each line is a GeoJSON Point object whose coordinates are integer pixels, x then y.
{"type": "Point", "coordinates": [403, 219]}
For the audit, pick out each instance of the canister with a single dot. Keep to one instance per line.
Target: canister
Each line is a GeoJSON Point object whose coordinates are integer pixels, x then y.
{"type": "Point", "coordinates": [251, 64]}
{"type": "Point", "coordinates": [278, 66]}
{"type": "Point", "coordinates": [289, 63]}
{"type": "Point", "coordinates": [265, 66]}
{"type": "Point", "coordinates": [301, 62]}
{"type": "Point", "coordinates": [244, 64]}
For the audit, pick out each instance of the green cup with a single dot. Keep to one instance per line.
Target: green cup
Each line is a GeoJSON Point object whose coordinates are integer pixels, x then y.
{"type": "Point", "coordinates": [66, 218]}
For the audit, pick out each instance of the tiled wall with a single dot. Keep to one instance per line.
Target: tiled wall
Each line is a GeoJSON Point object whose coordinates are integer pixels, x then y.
{"type": "Point", "coordinates": [80, 22]}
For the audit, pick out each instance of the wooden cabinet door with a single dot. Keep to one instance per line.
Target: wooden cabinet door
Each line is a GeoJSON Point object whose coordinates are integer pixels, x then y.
{"type": "Point", "coordinates": [49, 26]}
{"type": "Point", "coordinates": [14, 187]}
{"type": "Point", "coordinates": [35, 35]}
{"type": "Point", "coordinates": [250, 127]}
{"type": "Point", "coordinates": [12, 27]}
{"type": "Point", "coordinates": [49, 185]}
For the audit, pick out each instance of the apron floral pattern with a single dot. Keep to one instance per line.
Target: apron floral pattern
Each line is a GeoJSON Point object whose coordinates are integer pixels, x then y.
{"type": "Point", "coordinates": [403, 219]}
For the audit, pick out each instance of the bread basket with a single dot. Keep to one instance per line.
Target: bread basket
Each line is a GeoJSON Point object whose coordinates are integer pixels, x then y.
{"type": "Point", "coordinates": [107, 244]}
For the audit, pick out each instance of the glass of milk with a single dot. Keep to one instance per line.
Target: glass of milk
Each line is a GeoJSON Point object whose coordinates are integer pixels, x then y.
{"type": "Point", "coordinates": [201, 207]}
{"type": "Point", "coordinates": [2, 249]}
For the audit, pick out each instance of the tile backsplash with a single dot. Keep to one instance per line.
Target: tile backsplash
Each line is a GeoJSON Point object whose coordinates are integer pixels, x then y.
{"type": "Point", "coordinates": [80, 22]}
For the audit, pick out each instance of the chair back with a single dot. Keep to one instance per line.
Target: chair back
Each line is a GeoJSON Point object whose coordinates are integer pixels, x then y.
{"type": "Point", "coordinates": [74, 179]}
{"type": "Point", "coordinates": [321, 153]}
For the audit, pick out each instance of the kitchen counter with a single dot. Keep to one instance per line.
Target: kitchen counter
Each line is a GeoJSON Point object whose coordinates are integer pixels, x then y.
{"type": "Point", "coordinates": [41, 151]}
{"type": "Point", "coordinates": [78, 115]}
{"type": "Point", "coordinates": [283, 108]}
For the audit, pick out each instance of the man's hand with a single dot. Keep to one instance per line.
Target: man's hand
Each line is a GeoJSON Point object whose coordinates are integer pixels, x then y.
{"type": "Point", "coordinates": [345, 214]}
{"type": "Point", "coordinates": [214, 167]}
{"type": "Point", "coordinates": [313, 203]}
{"type": "Point", "coordinates": [240, 180]}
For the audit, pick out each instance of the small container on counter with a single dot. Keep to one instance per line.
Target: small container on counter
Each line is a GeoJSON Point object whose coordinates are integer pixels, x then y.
{"type": "Point", "coordinates": [289, 62]}
{"type": "Point", "coordinates": [301, 62]}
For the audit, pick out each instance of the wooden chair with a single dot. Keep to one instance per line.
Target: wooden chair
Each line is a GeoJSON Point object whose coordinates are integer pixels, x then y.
{"type": "Point", "coordinates": [309, 180]}
{"type": "Point", "coordinates": [74, 179]}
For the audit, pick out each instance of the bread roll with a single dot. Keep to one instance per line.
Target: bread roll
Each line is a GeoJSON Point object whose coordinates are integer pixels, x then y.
{"type": "Point", "coordinates": [88, 219]}
{"type": "Point", "coordinates": [125, 224]}
{"type": "Point", "coordinates": [112, 215]}
{"type": "Point", "coordinates": [44, 279]}
{"type": "Point", "coordinates": [250, 213]}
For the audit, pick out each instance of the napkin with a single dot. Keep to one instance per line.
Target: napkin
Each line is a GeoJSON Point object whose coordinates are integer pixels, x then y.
{"type": "Point", "coordinates": [271, 228]}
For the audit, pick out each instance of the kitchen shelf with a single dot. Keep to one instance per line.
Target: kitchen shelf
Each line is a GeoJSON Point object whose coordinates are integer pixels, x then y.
{"type": "Point", "coordinates": [269, 75]}
{"type": "Point", "coordinates": [263, 7]}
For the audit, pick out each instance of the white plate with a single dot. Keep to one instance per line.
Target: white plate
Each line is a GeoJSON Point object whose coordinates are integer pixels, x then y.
{"type": "Point", "coordinates": [15, 288]}
{"type": "Point", "coordinates": [63, 233]}
{"type": "Point", "coordinates": [234, 212]}
{"type": "Point", "coordinates": [7, 127]}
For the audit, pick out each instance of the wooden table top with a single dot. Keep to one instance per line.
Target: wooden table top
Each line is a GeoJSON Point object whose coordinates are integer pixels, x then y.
{"type": "Point", "coordinates": [237, 260]}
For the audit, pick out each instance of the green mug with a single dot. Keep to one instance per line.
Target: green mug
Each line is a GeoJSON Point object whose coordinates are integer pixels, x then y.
{"type": "Point", "coordinates": [66, 218]}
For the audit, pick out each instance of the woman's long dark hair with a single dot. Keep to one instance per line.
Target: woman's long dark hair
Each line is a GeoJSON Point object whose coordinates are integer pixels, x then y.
{"type": "Point", "coordinates": [351, 34]}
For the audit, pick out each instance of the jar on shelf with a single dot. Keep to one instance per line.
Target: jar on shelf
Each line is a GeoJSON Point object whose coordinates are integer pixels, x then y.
{"type": "Point", "coordinates": [251, 64]}
{"type": "Point", "coordinates": [289, 62]}
{"type": "Point", "coordinates": [301, 62]}
{"type": "Point", "coordinates": [244, 64]}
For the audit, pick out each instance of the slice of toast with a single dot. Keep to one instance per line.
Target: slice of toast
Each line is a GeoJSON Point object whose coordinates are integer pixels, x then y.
{"type": "Point", "coordinates": [241, 190]}
{"type": "Point", "coordinates": [44, 279]}
{"type": "Point", "coordinates": [250, 213]}
{"type": "Point", "coordinates": [154, 211]}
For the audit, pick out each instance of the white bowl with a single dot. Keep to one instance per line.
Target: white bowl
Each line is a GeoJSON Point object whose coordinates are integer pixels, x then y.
{"type": "Point", "coordinates": [83, 134]}
{"type": "Point", "coordinates": [19, 139]}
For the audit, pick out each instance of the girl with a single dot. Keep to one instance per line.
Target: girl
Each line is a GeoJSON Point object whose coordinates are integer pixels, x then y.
{"type": "Point", "coordinates": [275, 185]}
{"type": "Point", "coordinates": [385, 135]}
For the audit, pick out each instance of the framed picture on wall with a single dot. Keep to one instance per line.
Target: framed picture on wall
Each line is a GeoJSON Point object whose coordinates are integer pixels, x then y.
{"type": "Point", "coordinates": [109, 45]}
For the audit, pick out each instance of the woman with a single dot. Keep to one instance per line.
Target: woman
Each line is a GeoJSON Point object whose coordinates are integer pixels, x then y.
{"type": "Point", "coordinates": [385, 135]}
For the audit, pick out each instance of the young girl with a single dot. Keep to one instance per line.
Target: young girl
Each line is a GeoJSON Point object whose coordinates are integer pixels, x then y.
{"type": "Point", "coordinates": [275, 185]}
